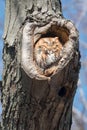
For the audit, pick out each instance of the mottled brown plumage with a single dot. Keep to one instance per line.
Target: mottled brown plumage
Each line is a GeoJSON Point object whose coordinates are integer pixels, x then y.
{"type": "Point", "coordinates": [46, 51]}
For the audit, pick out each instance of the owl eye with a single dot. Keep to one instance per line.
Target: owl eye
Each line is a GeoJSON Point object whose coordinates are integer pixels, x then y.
{"type": "Point", "coordinates": [53, 42]}
{"type": "Point", "coordinates": [46, 42]}
{"type": "Point", "coordinates": [39, 46]}
{"type": "Point", "coordinates": [46, 52]}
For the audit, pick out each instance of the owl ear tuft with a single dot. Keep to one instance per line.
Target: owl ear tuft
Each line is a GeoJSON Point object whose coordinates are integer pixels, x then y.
{"type": "Point", "coordinates": [56, 38]}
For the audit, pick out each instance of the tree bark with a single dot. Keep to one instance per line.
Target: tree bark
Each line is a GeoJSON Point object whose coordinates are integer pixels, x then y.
{"type": "Point", "coordinates": [34, 97]}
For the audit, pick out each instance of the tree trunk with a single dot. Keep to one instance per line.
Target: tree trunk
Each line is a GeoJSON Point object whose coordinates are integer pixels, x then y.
{"type": "Point", "coordinates": [38, 85]}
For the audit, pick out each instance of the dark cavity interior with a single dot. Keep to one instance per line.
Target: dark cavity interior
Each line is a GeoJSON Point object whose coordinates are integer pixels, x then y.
{"type": "Point", "coordinates": [57, 31]}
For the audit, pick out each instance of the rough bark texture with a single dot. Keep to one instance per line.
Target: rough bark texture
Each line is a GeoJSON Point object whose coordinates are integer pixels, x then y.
{"type": "Point", "coordinates": [32, 100]}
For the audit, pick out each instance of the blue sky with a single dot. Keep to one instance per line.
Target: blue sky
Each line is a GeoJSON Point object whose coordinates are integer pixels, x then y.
{"type": "Point", "coordinates": [2, 7]}
{"type": "Point", "coordinates": [68, 13]}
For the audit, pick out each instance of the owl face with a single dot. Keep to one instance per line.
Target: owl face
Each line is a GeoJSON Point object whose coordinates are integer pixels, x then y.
{"type": "Point", "coordinates": [46, 51]}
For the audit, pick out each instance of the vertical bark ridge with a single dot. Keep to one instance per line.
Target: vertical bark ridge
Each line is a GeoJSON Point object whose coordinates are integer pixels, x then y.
{"type": "Point", "coordinates": [39, 4]}
{"type": "Point", "coordinates": [16, 12]}
{"type": "Point", "coordinates": [29, 5]}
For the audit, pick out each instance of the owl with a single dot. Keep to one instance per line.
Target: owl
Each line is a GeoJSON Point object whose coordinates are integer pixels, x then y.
{"type": "Point", "coordinates": [46, 51]}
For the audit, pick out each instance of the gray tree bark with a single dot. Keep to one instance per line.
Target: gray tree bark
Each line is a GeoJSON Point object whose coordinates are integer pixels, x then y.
{"type": "Point", "coordinates": [34, 98]}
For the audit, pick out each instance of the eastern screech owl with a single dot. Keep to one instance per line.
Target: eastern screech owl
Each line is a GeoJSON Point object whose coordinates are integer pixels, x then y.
{"type": "Point", "coordinates": [46, 51]}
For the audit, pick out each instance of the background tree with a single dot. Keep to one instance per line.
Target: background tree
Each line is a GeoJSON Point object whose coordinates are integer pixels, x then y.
{"type": "Point", "coordinates": [32, 97]}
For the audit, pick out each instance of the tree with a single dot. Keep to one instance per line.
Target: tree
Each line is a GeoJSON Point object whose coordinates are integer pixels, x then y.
{"type": "Point", "coordinates": [80, 108]}
{"type": "Point", "coordinates": [36, 94]}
